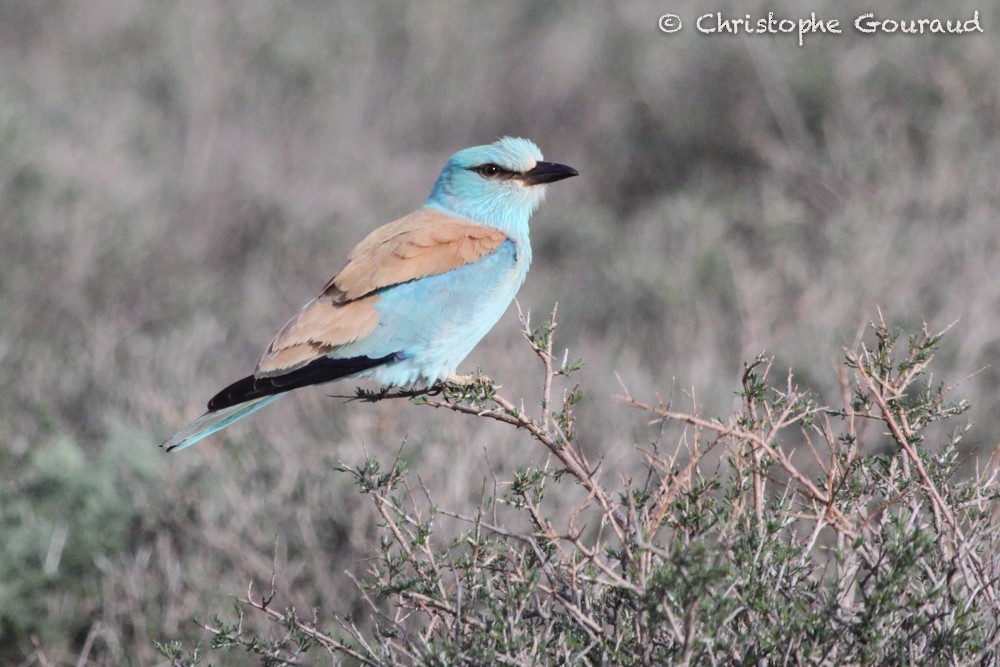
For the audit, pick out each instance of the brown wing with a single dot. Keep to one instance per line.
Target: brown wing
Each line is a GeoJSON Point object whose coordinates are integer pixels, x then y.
{"type": "Point", "coordinates": [424, 243]}
{"type": "Point", "coordinates": [320, 327]}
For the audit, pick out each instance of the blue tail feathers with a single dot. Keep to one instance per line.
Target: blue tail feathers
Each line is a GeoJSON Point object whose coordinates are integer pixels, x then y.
{"type": "Point", "coordinates": [213, 421]}
{"type": "Point", "coordinates": [249, 394]}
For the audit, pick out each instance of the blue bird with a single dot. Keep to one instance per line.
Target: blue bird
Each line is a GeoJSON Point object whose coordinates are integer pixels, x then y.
{"type": "Point", "coordinates": [415, 296]}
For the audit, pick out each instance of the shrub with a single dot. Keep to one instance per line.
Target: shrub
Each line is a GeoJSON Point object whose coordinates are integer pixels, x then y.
{"type": "Point", "coordinates": [790, 533]}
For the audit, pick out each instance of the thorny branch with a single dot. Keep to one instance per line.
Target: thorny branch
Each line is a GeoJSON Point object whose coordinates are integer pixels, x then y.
{"type": "Point", "coordinates": [575, 563]}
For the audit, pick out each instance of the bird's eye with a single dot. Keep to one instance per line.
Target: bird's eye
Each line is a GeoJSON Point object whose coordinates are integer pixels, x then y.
{"type": "Point", "coordinates": [489, 170]}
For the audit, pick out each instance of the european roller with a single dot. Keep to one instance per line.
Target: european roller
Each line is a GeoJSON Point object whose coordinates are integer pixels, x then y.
{"type": "Point", "coordinates": [415, 296]}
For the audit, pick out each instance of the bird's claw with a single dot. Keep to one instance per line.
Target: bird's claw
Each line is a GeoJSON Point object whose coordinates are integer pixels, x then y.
{"type": "Point", "coordinates": [467, 380]}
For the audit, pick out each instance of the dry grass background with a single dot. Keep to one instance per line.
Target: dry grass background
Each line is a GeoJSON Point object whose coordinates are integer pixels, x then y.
{"type": "Point", "coordinates": [178, 178]}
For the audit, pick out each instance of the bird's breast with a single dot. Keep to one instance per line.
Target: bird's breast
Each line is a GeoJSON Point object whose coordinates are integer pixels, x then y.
{"type": "Point", "coordinates": [434, 322]}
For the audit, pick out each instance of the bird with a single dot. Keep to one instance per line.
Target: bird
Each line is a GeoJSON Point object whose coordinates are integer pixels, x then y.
{"type": "Point", "coordinates": [415, 296]}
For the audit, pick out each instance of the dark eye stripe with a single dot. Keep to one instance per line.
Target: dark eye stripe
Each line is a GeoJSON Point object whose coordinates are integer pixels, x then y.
{"type": "Point", "coordinates": [490, 170]}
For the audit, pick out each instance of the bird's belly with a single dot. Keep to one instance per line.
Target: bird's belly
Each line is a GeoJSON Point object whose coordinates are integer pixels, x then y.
{"type": "Point", "coordinates": [433, 323]}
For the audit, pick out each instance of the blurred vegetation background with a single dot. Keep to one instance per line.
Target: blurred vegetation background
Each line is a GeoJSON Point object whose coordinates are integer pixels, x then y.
{"type": "Point", "coordinates": [179, 178]}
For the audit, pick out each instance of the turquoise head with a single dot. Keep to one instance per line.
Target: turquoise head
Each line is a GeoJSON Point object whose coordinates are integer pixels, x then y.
{"type": "Point", "coordinates": [499, 184]}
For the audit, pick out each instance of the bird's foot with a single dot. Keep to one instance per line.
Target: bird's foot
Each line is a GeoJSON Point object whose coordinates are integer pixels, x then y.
{"type": "Point", "coordinates": [467, 380]}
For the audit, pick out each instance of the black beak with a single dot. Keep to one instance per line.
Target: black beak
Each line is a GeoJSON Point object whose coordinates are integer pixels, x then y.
{"type": "Point", "coordinates": [547, 172]}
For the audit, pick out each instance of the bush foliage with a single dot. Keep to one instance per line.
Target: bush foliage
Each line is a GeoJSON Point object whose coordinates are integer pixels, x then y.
{"type": "Point", "coordinates": [790, 533]}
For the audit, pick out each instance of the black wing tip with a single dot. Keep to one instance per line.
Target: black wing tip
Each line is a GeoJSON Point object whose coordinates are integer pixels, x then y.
{"type": "Point", "coordinates": [318, 371]}
{"type": "Point", "coordinates": [238, 392]}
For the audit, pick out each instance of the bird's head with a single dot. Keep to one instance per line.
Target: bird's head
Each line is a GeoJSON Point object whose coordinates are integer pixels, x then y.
{"type": "Point", "coordinates": [498, 184]}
